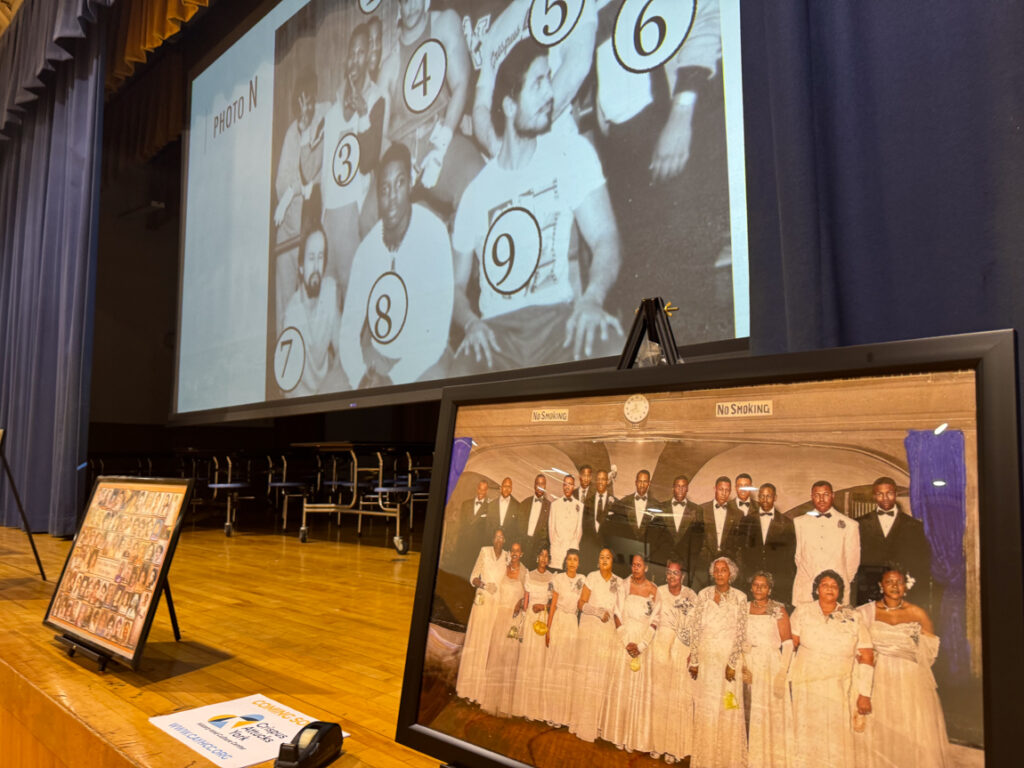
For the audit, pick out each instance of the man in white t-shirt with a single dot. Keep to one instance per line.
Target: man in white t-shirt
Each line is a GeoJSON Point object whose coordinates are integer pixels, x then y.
{"type": "Point", "coordinates": [515, 224]}
{"type": "Point", "coordinates": [313, 312]}
{"type": "Point", "coordinates": [398, 306]}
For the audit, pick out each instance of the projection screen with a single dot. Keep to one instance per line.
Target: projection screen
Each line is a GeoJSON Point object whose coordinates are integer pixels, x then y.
{"type": "Point", "coordinates": [381, 196]}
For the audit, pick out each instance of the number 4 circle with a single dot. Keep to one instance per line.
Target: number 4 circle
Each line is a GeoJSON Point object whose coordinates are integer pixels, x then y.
{"type": "Point", "coordinates": [289, 358]}
{"type": "Point", "coordinates": [425, 75]}
{"type": "Point", "coordinates": [646, 37]}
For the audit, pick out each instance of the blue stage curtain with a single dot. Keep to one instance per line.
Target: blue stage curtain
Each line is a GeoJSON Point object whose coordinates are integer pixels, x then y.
{"type": "Point", "coordinates": [48, 198]}
{"type": "Point", "coordinates": [940, 458]}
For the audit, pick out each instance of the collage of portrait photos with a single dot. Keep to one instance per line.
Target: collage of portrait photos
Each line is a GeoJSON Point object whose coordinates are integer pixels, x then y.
{"type": "Point", "coordinates": [715, 577]}
{"type": "Point", "coordinates": [467, 186]}
{"type": "Point", "coordinates": [111, 576]}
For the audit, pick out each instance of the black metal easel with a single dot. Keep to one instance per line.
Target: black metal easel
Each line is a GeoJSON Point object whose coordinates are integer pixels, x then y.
{"type": "Point", "coordinates": [651, 321]}
{"type": "Point", "coordinates": [21, 509]}
{"type": "Point", "coordinates": [102, 657]}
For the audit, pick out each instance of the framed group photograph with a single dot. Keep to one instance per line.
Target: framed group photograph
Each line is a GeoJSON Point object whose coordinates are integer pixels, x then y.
{"type": "Point", "coordinates": [109, 589]}
{"type": "Point", "coordinates": [806, 559]}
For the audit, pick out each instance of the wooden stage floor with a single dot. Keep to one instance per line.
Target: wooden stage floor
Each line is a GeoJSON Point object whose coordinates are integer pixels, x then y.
{"type": "Point", "coordinates": [321, 627]}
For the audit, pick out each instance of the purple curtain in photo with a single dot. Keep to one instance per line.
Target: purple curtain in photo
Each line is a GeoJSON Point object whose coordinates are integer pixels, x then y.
{"type": "Point", "coordinates": [51, 100]}
{"type": "Point", "coordinates": [461, 447]}
{"type": "Point", "coordinates": [938, 479]}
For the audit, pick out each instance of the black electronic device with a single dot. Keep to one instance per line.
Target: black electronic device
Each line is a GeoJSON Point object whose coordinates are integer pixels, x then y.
{"type": "Point", "coordinates": [315, 746]}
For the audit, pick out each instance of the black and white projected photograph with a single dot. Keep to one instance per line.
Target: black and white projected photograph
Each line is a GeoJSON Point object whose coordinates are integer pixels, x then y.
{"type": "Point", "coordinates": [455, 188]}
{"type": "Point", "coordinates": [784, 573]}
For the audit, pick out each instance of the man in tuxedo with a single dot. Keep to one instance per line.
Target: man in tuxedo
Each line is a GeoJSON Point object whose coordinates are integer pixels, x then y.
{"type": "Point", "coordinates": [745, 501]}
{"type": "Point", "coordinates": [890, 536]}
{"type": "Point", "coordinates": [471, 533]}
{"type": "Point", "coordinates": [625, 528]}
{"type": "Point", "coordinates": [532, 530]}
{"type": "Point", "coordinates": [595, 510]}
{"type": "Point", "coordinates": [769, 544]}
{"type": "Point", "coordinates": [678, 533]}
{"type": "Point", "coordinates": [565, 523]}
{"type": "Point", "coordinates": [826, 539]}
{"type": "Point", "coordinates": [504, 513]}
{"type": "Point", "coordinates": [722, 535]}
{"type": "Point", "coordinates": [584, 489]}
{"type": "Point", "coordinates": [474, 527]}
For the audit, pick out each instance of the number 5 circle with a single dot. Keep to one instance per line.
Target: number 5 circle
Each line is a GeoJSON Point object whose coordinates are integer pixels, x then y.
{"type": "Point", "coordinates": [289, 358]}
{"type": "Point", "coordinates": [368, 6]}
{"type": "Point", "coordinates": [346, 160]}
{"type": "Point", "coordinates": [511, 251]}
{"type": "Point", "coordinates": [424, 75]}
{"type": "Point", "coordinates": [551, 21]}
{"type": "Point", "coordinates": [387, 308]}
{"type": "Point", "coordinates": [649, 32]}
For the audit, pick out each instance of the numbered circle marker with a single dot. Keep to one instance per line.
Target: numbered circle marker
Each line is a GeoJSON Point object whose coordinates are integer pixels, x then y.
{"type": "Point", "coordinates": [369, 6]}
{"type": "Point", "coordinates": [346, 160]}
{"type": "Point", "coordinates": [424, 75]}
{"type": "Point", "coordinates": [551, 21]}
{"type": "Point", "coordinates": [387, 308]}
{"type": "Point", "coordinates": [289, 358]}
{"type": "Point", "coordinates": [649, 32]}
{"type": "Point", "coordinates": [512, 251]}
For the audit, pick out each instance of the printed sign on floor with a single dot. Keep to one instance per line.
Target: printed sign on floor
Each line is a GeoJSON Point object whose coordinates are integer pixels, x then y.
{"type": "Point", "coordinates": [236, 733]}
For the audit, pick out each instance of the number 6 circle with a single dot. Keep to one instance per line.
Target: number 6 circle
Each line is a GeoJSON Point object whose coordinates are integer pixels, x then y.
{"type": "Point", "coordinates": [649, 32]}
{"type": "Point", "coordinates": [424, 75]}
{"type": "Point", "coordinates": [387, 307]}
{"type": "Point", "coordinates": [289, 358]}
{"type": "Point", "coordinates": [511, 251]}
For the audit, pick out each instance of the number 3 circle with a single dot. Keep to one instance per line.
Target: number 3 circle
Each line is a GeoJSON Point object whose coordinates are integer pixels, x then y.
{"type": "Point", "coordinates": [424, 75]}
{"type": "Point", "coordinates": [346, 160]}
{"type": "Point", "coordinates": [289, 358]}
{"type": "Point", "coordinates": [387, 308]}
{"type": "Point", "coordinates": [511, 251]}
{"type": "Point", "coordinates": [647, 37]}
{"type": "Point", "coordinates": [551, 21]}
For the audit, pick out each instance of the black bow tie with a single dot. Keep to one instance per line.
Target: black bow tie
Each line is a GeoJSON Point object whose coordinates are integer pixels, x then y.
{"type": "Point", "coordinates": [641, 498]}
{"type": "Point", "coordinates": [890, 513]}
{"type": "Point", "coordinates": [743, 503]}
{"type": "Point", "coordinates": [719, 506]}
{"type": "Point", "coordinates": [678, 503]}
{"type": "Point", "coordinates": [822, 514]}
{"type": "Point", "coordinates": [766, 514]}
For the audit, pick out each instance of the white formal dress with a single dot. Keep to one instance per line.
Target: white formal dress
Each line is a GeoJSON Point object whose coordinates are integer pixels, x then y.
{"type": "Point", "coordinates": [769, 716]}
{"type": "Point", "coordinates": [906, 727]}
{"type": "Point", "coordinates": [821, 683]}
{"type": "Point", "coordinates": [530, 676]}
{"type": "Point", "coordinates": [627, 720]}
{"type": "Point", "coordinates": [564, 658]}
{"type": "Point", "coordinates": [473, 661]}
{"type": "Point", "coordinates": [719, 737]}
{"type": "Point", "coordinates": [506, 640]}
{"type": "Point", "coordinates": [672, 707]}
{"type": "Point", "coordinates": [597, 646]}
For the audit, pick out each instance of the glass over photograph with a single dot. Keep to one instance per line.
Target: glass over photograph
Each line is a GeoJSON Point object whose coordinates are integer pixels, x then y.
{"type": "Point", "coordinates": [769, 575]}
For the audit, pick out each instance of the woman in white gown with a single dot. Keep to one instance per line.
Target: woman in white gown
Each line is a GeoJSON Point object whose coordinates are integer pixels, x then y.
{"type": "Point", "coordinates": [488, 570]}
{"type": "Point", "coordinates": [906, 728]}
{"type": "Point", "coordinates": [766, 661]}
{"type": "Point", "coordinates": [719, 628]}
{"type": "Point", "coordinates": [530, 675]}
{"type": "Point", "coordinates": [627, 721]}
{"type": "Point", "coordinates": [564, 661]}
{"type": "Point", "coordinates": [598, 644]}
{"type": "Point", "coordinates": [830, 678]}
{"type": "Point", "coordinates": [672, 701]}
{"type": "Point", "coordinates": [506, 638]}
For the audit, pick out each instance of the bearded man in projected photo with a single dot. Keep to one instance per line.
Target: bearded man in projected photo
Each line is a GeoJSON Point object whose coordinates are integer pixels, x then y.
{"type": "Point", "coordinates": [398, 306]}
{"type": "Point", "coordinates": [313, 312]}
{"type": "Point", "coordinates": [515, 224]}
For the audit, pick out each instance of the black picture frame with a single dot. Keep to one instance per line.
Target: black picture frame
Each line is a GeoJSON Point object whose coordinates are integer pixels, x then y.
{"type": "Point", "coordinates": [110, 525]}
{"type": "Point", "coordinates": [990, 356]}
